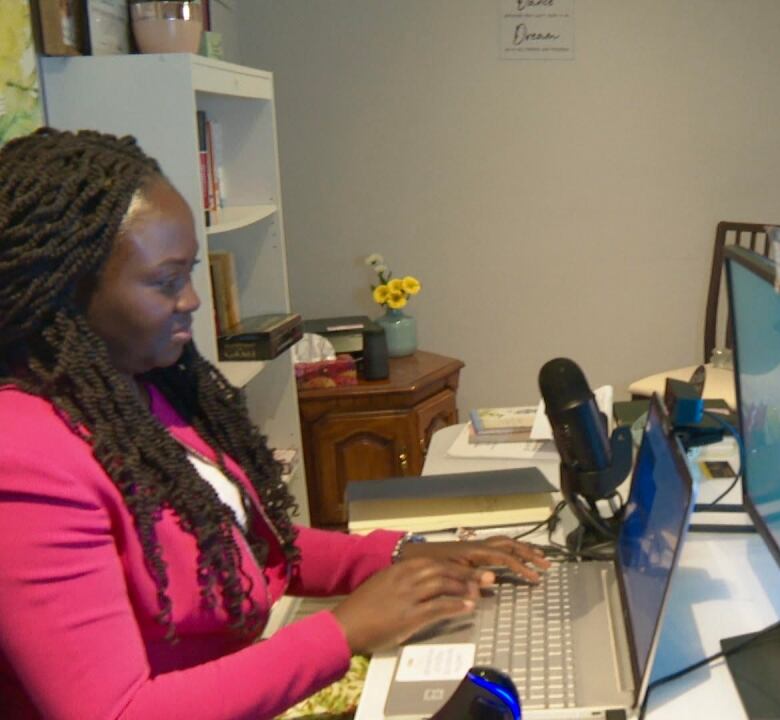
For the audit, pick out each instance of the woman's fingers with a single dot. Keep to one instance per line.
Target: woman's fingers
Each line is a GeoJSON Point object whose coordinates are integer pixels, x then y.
{"type": "Point", "coordinates": [502, 551]}
{"type": "Point", "coordinates": [404, 598]}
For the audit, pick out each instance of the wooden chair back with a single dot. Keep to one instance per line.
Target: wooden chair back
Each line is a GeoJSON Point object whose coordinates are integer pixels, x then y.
{"type": "Point", "coordinates": [749, 235]}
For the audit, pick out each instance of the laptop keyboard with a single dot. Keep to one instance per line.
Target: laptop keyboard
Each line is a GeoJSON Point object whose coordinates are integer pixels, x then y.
{"type": "Point", "coordinates": [527, 634]}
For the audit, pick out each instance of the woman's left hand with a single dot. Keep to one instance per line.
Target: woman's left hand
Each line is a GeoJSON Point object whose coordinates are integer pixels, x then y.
{"type": "Point", "coordinates": [521, 558]}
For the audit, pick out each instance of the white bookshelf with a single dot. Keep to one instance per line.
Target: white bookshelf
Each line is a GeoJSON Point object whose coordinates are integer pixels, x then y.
{"type": "Point", "coordinates": [155, 98]}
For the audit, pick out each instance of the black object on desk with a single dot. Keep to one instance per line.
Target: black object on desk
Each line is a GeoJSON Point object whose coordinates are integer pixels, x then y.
{"type": "Point", "coordinates": [755, 670]}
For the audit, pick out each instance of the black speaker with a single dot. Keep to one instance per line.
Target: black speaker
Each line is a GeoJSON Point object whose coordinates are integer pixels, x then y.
{"type": "Point", "coordinates": [375, 363]}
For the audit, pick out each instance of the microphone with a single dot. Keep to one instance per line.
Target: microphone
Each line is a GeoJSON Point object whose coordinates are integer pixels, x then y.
{"type": "Point", "coordinates": [579, 427]}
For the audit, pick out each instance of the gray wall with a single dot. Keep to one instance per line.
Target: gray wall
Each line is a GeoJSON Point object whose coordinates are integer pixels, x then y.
{"type": "Point", "coordinates": [549, 208]}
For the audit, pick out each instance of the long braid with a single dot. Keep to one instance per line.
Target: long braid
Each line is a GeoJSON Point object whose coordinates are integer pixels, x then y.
{"type": "Point", "coordinates": [63, 198]}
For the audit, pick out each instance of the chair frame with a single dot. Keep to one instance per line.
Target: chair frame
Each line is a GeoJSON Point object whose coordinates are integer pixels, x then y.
{"type": "Point", "coordinates": [753, 236]}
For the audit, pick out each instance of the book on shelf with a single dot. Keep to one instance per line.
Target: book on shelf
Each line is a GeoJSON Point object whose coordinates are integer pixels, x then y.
{"type": "Point", "coordinates": [260, 337]}
{"type": "Point", "coordinates": [501, 424]}
{"type": "Point", "coordinates": [210, 159]}
{"type": "Point", "coordinates": [203, 160]}
{"type": "Point", "coordinates": [437, 502]}
{"type": "Point", "coordinates": [214, 138]}
{"type": "Point", "coordinates": [222, 265]}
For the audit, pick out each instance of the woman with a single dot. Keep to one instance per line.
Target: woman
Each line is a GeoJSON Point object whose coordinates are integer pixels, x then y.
{"type": "Point", "coordinates": [144, 529]}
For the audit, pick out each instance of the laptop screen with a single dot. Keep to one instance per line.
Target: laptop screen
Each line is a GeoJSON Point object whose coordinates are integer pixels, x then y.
{"type": "Point", "coordinates": [652, 531]}
{"type": "Point", "coordinates": [755, 312]}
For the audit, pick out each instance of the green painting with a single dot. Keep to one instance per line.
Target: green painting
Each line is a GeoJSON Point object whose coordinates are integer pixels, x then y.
{"type": "Point", "coordinates": [20, 105]}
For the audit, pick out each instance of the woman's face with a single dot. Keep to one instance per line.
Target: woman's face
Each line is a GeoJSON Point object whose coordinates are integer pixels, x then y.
{"type": "Point", "coordinates": [143, 303]}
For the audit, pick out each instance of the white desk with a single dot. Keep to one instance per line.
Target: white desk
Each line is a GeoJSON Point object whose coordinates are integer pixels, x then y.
{"type": "Point", "coordinates": [726, 584]}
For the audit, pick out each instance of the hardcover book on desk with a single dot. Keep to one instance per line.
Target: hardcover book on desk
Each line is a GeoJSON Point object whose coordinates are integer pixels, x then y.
{"type": "Point", "coordinates": [436, 502]}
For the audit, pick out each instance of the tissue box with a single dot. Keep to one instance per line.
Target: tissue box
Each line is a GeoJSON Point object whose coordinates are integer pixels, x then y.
{"type": "Point", "coordinates": [326, 373]}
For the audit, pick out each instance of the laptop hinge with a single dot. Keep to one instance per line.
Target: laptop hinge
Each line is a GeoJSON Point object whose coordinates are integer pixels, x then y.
{"type": "Point", "coordinates": [617, 632]}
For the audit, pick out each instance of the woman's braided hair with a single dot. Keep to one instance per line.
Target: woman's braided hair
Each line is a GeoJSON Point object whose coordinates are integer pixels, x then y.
{"type": "Point", "coordinates": [63, 197]}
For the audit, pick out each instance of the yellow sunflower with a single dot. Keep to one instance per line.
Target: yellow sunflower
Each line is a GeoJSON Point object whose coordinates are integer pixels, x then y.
{"type": "Point", "coordinates": [381, 293]}
{"type": "Point", "coordinates": [396, 299]}
{"type": "Point", "coordinates": [411, 285]}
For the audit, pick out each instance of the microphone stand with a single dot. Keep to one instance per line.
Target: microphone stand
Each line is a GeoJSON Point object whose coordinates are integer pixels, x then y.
{"type": "Point", "coordinates": [581, 489]}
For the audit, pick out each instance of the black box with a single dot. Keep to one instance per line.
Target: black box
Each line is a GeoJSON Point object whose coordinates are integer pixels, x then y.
{"type": "Point", "coordinates": [261, 337]}
{"type": "Point", "coordinates": [345, 333]}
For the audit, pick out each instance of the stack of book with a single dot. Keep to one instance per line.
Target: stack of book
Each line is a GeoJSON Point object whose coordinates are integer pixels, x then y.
{"type": "Point", "coordinates": [501, 424]}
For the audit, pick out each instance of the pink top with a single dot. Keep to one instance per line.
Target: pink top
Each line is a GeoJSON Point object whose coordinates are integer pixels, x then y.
{"type": "Point", "coordinates": [78, 635]}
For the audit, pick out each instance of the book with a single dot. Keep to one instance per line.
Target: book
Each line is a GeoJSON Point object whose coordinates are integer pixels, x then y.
{"type": "Point", "coordinates": [499, 436]}
{"type": "Point", "coordinates": [437, 502]}
{"type": "Point", "coordinates": [224, 268]}
{"type": "Point", "coordinates": [535, 450]}
{"type": "Point", "coordinates": [203, 159]}
{"type": "Point", "coordinates": [501, 424]}
{"type": "Point", "coordinates": [261, 337]}
{"type": "Point", "coordinates": [218, 296]}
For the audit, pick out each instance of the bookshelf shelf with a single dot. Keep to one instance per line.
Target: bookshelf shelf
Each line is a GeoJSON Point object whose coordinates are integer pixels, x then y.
{"type": "Point", "coordinates": [156, 98]}
{"type": "Point", "coordinates": [240, 373]}
{"type": "Point", "coordinates": [234, 218]}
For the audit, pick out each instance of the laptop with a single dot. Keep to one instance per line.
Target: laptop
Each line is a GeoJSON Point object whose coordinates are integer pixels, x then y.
{"type": "Point", "coordinates": [581, 643]}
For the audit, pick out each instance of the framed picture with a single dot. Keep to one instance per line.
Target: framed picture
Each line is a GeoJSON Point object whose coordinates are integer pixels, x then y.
{"type": "Point", "coordinates": [60, 27]}
{"type": "Point", "coordinates": [109, 28]}
{"type": "Point", "coordinates": [20, 102]}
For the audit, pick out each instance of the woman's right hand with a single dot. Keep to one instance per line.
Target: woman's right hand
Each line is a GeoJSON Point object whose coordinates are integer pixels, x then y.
{"type": "Point", "coordinates": [406, 597]}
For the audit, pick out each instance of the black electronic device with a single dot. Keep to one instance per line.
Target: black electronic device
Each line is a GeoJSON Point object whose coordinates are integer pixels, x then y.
{"type": "Point", "coordinates": [484, 694]}
{"type": "Point", "coordinates": [593, 463]}
{"type": "Point", "coordinates": [346, 333]}
{"type": "Point", "coordinates": [375, 363]}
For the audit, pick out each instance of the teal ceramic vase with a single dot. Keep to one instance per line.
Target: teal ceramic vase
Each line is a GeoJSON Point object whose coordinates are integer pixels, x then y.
{"type": "Point", "coordinates": [400, 332]}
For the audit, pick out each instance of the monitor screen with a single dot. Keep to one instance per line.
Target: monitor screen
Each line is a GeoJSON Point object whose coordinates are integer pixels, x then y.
{"type": "Point", "coordinates": [755, 314]}
{"type": "Point", "coordinates": [652, 531]}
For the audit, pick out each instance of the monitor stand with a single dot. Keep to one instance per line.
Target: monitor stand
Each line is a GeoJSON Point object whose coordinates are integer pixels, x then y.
{"type": "Point", "coordinates": [755, 670]}
{"type": "Point", "coordinates": [721, 518]}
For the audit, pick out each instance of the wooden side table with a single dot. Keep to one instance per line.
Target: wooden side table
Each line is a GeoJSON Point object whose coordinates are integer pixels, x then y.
{"type": "Point", "coordinates": [374, 429]}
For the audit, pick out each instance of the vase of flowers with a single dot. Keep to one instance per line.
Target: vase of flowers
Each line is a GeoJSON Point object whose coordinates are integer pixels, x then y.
{"type": "Point", "coordinates": [393, 295]}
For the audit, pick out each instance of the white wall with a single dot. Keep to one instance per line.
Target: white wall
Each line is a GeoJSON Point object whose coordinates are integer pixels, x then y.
{"type": "Point", "coordinates": [549, 208]}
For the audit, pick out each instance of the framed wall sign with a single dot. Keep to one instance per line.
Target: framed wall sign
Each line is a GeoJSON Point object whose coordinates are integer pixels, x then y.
{"type": "Point", "coordinates": [109, 27]}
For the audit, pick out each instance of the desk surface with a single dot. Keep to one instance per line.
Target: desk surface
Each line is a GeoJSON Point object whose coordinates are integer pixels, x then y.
{"type": "Point", "coordinates": [725, 585]}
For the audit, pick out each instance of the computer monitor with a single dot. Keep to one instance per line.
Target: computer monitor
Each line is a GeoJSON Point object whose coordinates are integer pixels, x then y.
{"type": "Point", "coordinates": [754, 300]}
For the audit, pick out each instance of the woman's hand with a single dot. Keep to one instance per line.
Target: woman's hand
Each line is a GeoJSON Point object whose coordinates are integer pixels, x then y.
{"type": "Point", "coordinates": [406, 597]}
{"type": "Point", "coordinates": [518, 557]}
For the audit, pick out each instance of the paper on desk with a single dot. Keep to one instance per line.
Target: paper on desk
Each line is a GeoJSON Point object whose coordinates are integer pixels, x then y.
{"type": "Point", "coordinates": [462, 448]}
{"type": "Point", "coordinates": [435, 662]}
{"type": "Point", "coordinates": [541, 429]}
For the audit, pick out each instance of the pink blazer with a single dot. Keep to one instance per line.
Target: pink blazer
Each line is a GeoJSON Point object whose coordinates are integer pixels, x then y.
{"type": "Point", "coordinates": [78, 635]}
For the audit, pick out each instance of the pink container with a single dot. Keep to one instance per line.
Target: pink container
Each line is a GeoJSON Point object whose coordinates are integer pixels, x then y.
{"type": "Point", "coordinates": [167, 26]}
